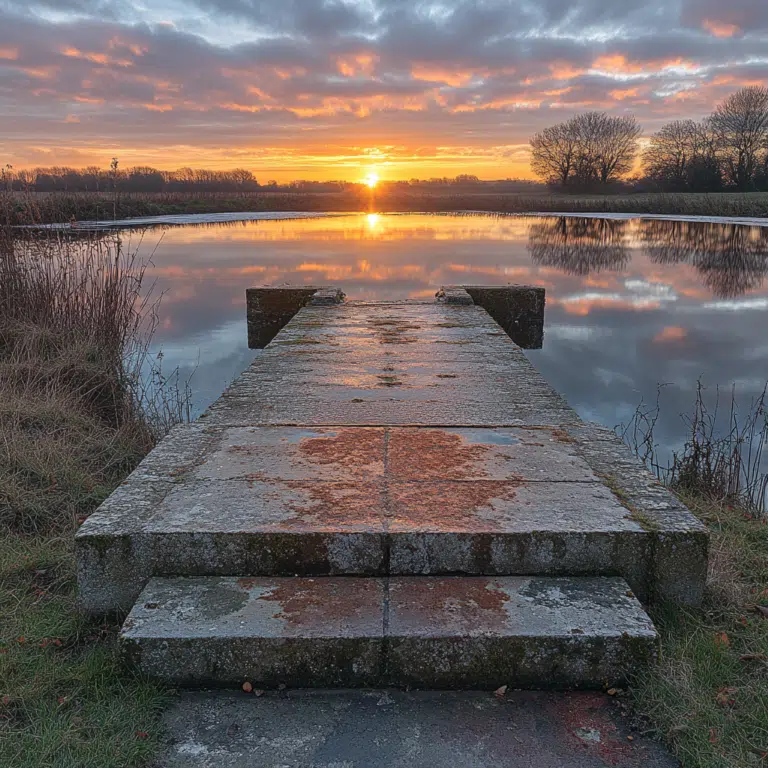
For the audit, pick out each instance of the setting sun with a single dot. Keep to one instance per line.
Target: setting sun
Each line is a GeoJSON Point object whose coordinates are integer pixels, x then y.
{"type": "Point", "coordinates": [372, 179]}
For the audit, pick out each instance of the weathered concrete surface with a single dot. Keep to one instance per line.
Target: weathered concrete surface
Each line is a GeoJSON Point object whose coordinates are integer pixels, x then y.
{"type": "Point", "coordinates": [518, 309]}
{"type": "Point", "coordinates": [269, 309]}
{"type": "Point", "coordinates": [450, 632]}
{"type": "Point", "coordinates": [288, 500]}
{"type": "Point", "coordinates": [447, 480]}
{"type": "Point", "coordinates": [394, 729]}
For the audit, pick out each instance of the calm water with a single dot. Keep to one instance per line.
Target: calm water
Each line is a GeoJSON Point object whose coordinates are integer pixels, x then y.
{"type": "Point", "coordinates": [630, 304]}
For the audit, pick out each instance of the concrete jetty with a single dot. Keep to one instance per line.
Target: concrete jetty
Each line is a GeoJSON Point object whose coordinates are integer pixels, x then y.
{"type": "Point", "coordinates": [390, 494]}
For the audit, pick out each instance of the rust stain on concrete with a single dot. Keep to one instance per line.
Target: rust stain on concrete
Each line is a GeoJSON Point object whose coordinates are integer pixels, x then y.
{"type": "Point", "coordinates": [456, 506]}
{"type": "Point", "coordinates": [330, 506]}
{"type": "Point", "coordinates": [464, 605]}
{"type": "Point", "coordinates": [356, 449]}
{"type": "Point", "coordinates": [299, 606]}
{"type": "Point", "coordinates": [435, 453]}
{"type": "Point", "coordinates": [590, 721]}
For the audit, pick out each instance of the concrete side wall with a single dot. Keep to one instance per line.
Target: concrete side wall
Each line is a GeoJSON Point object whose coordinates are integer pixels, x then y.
{"type": "Point", "coordinates": [269, 309]}
{"type": "Point", "coordinates": [518, 309]}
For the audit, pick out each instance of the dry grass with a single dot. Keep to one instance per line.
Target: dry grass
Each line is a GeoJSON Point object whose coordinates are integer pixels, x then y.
{"type": "Point", "coordinates": [82, 206]}
{"type": "Point", "coordinates": [708, 698]}
{"type": "Point", "coordinates": [75, 419]}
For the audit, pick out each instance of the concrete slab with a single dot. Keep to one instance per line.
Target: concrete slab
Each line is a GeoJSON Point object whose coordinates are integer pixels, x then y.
{"type": "Point", "coordinates": [441, 633]}
{"type": "Point", "coordinates": [389, 729]}
{"type": "Point", "coordinates": [524, 632]}
{"type": "Point", "coordinates": [403, 438]}
{"type": "Point", "coordinates": [274, 631]}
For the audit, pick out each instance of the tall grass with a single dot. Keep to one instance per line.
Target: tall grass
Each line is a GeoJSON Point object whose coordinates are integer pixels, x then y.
{"type": "Point", "coordinates": [77, 414]}
{"type": "Point", "coordinates": [77, 409]}
{"type": "Point", "coordinates": [721, 461]}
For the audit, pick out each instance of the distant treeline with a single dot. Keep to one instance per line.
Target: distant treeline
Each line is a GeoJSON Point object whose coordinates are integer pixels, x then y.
{"type": "Point", "coordinates": [594, 151]}
{"type": "Point", "coordinates": [144, 179]}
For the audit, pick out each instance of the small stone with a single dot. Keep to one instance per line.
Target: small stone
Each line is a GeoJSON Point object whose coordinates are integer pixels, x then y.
{"type": "Point", "coordinates": [247, 687]}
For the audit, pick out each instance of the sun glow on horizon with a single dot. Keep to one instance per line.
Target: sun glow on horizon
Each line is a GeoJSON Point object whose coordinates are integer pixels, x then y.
{"type": "Point", "coordinates": [372, 179]}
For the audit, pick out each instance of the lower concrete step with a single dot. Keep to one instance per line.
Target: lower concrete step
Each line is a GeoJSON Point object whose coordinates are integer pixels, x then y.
{"type": "Point", "coordinates": [423, 632]}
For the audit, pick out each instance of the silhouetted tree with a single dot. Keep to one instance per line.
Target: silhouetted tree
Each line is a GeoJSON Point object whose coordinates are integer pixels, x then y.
{"type": "Point", "coordinates": [590, 149]}
{"type": "Point", "coordinates": [740, 127]}
{"type": "Point", "coordinates": [681, 157]}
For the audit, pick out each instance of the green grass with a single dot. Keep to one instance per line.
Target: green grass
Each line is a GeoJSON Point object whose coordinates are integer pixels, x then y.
{"type": "Point", "coordinates": [65, 699]}
{"type": "Point", "coordinates": [74, 422]}
{"type": "Point", "coordinates": [708, 699]}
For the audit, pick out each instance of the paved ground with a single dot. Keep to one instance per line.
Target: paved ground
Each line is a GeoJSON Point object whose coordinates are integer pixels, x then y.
{"type": "Point", "coordinates": [420, 729]}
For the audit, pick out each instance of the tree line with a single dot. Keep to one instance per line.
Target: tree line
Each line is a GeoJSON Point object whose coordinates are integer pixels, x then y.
{"type": "Point", "coordinates": [728, 150]}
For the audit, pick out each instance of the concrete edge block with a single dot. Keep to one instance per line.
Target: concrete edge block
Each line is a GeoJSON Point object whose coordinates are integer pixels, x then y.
{"type": "Point", "coordinates": [680, 542]}
{"type": "Point", "coordinates": [268, 310]}
{"type": "Point", "coordinates": [518, 309]}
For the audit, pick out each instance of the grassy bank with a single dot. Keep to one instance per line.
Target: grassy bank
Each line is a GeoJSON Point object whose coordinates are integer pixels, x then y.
{"type": "Point", "coordinates": [708, 698]}
{"type": "Point", "coordinates": [74, 423]}
{"type": "Point", "coordinates": [63, 207]}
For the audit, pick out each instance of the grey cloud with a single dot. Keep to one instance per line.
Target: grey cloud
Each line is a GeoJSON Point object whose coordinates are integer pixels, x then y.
{"type": "Point", "coordinates": [374, 55]}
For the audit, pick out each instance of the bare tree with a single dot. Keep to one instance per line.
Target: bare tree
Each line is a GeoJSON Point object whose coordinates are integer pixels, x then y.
{"type": "Point", "coordinates": [553, 154]}
{"type": "Point", "coordinates": [591, 148]}
{"type": "Point", "coordinates": [740, 126]}
{"type": "Point", "coordinates": [681, 157]}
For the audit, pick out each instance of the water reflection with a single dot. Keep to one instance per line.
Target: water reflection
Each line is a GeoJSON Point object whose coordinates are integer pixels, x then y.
{"type": "Point", "coordinates": [579, 246]}
{"type": "Point", "coordinates": [731, 259]}
{"type": "Point", "coordinates": [630, 304]}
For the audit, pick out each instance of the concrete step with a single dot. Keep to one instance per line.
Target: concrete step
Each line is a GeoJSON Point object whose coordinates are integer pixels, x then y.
{"type": "Point", "coordinates": [286, 501]}
{"type": "Point", "coordinates": [422, 632]}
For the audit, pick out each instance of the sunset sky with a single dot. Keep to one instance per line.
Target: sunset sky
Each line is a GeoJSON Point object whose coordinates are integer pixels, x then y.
{"type": "Point", "coordinates": [342, 88]}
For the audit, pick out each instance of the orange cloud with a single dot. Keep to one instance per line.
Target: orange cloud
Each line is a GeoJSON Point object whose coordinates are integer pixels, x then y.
{"type": "Point", "coordinates": [671, 333]}
{"type": "Point", "coordinates": [564, 71]}
{"type": "Point", "coordinates": [720, 28]}
{"type": "Point", "coordinates": [41, 73]}
{"type": "Point", "coordinates": [616, 62]}
{"type": "Point", "coordinates": [439, 75]}
{"type": "Point", "coordinates": [96, 58]}
{"type": "Point", "coordinates": [629, 93]}
{"type": "Point", "coordinates": [351, 66]}
{"type": "Point", "coordinates": [9, 54]}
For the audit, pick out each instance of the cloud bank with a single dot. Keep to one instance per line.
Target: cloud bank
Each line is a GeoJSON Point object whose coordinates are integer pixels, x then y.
{"type": "Point", "coordinates": [325, 89]}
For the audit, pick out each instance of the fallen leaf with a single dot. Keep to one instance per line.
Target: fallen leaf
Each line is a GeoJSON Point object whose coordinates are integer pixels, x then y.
{"type": "Point", "coordinates": [258, 692]}
{"type": "Point", "coordinates": [141, 734]}
{"type": "Point", "coordinates": [612, 691]}
{"type": "Point", "coordinates": [763, 611]}
{"type": "Point", "coordinates": [754, 657]}
{"type": "Point", "coordinates": [247, 687]}
{"type": "Point", "coordinates": [500, 693]}
{"type": "Point", "coordinates": [713, 736]}
{"type": "Point", "coordinates": [722, 639]}
{"type": "Point", "coordinates": [724, 697]}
